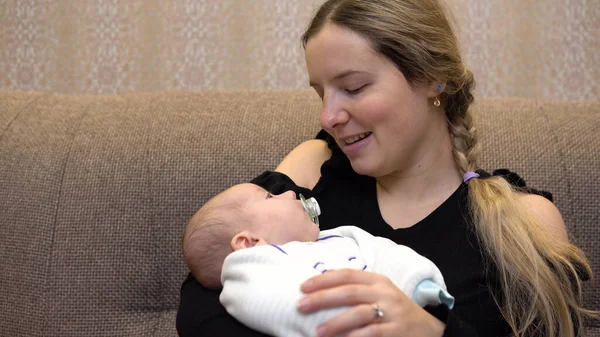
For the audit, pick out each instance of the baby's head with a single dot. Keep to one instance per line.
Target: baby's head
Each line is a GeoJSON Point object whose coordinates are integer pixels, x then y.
{"type": "Point", "coordinates": [243, 216]}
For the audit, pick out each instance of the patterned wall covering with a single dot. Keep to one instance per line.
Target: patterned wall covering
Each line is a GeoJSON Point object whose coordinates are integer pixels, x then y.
{"type": "Point", "coordinates": [528, 48]}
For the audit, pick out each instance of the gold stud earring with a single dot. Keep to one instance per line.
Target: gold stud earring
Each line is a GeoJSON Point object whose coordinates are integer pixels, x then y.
{"type": "Point", "coordinates": [436, 101]}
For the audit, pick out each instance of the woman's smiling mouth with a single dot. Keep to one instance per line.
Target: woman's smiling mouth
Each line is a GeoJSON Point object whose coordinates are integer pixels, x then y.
{"type": "Point", "coordinates": [353, 139]}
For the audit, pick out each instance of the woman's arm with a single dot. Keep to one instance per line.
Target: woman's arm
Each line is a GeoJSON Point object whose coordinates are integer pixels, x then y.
{"type": "Point", "coordinates": [201, 314]}
{"type": "Point", "coordinates": [303, 164]}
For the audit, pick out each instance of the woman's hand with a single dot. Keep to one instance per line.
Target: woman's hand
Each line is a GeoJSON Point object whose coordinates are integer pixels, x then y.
{"type": "Point", "coordinates": [365, 292]}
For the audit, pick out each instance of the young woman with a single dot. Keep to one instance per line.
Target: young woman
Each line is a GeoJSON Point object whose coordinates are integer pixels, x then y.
{"type": "Point", "coordinates": [398, 157]}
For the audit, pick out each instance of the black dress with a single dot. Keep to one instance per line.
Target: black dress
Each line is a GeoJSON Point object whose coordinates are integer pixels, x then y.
{"type": "Point", "coordinates": [346, 198]}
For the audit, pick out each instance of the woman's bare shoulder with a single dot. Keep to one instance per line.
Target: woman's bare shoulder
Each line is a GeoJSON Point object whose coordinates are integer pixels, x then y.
{"type": "Point", "coordinates": [303, 163]}
{"type": "Point", "coordinates": [547, 213]}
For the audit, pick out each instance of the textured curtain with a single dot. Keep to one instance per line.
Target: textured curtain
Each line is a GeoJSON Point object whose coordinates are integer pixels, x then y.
{"type": "Point", "coordinates": [527, 48]}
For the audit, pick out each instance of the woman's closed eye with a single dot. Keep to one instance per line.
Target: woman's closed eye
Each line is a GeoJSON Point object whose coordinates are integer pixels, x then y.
{"type": "Point", "coordinates": [355, 90]}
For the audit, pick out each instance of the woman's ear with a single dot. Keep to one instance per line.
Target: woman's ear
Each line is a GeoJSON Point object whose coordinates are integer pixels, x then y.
{"type": "Point", "coordinates": [246, 239]}
{"type": "Point", "coordinates": [435, 88]}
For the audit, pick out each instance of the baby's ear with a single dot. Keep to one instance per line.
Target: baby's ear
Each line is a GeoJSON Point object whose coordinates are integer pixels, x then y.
{"type": "Point", "coordinates": [246, 239]}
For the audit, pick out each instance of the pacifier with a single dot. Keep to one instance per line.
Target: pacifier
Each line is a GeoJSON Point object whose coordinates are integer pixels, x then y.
{"type": "Point", "coordinates": [311, 206]}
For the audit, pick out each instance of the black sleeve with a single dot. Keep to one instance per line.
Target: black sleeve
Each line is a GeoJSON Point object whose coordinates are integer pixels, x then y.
{"type": "Point", "coordinates": [277, 183]}
{"type": "Point", "coordinates": [454, 326]}
{"type": "Point", "coordinates": [201, 314]}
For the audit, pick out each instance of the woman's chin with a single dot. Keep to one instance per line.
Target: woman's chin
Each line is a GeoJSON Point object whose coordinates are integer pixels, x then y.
{"type": "Point", "coordinates": [363, 166]}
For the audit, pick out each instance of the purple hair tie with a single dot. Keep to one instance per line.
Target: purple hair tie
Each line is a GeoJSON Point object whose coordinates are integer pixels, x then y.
{"type": "Point", "coordinates": [470, 175]}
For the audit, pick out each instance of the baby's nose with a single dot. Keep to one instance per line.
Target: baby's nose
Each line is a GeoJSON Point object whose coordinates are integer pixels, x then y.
{"type": "Point", "coordinates": [290, 194]}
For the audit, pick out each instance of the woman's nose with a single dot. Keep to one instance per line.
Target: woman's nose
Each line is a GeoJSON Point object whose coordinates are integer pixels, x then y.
{"type": "Point", "coordinates": [332, 114]}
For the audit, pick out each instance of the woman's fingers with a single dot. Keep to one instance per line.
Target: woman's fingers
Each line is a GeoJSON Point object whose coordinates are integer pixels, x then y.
{"type": "Point", "coordinates": [345, 287]}
{"type": "Point", "coordinates": [371, 330]}
{"type": "Point", "coordinates": [339, 296]}
{"type": "Point", "coordinates": [362, 292]}
{"type": "Point", "coordinates": [359, 317]}
{"type": "Point", "coordinates": [339, 277]}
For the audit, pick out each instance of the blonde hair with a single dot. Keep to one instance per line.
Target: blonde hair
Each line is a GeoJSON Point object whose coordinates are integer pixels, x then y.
{"type": "Point", "coordinates": [538, 273]}
{"type": "Point", "coordinates": [207, 237]}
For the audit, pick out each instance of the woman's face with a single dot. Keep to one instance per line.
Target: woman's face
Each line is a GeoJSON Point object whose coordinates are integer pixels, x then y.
{"type": "Point", "coordinates": [379, 121]}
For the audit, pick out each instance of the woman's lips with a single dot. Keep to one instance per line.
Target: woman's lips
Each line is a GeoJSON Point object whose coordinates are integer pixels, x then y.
{"type": "Point", "coordinates": [352, 145]}
{"type": "Point", "coordinates": [356, 138]}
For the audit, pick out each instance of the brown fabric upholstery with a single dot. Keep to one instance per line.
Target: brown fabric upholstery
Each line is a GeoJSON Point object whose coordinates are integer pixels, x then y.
{"type": "Point", "coordinates": [95, 191]}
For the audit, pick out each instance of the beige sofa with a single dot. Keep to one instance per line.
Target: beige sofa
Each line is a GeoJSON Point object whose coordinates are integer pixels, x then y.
{"type": "Point", "coordinates": [95, 191]}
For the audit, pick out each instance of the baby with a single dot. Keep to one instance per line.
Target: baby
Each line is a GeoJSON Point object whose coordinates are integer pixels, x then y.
{"type": "Point", "coordinates": [260, 247]}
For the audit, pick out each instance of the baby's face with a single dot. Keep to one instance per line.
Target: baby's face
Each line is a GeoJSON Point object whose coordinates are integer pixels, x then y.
{"type": "Point", "coordinates": [278, 218]}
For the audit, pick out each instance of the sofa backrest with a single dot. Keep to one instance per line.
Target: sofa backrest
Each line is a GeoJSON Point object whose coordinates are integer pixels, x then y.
{"type": "Point", "coordinates": [95, 191]}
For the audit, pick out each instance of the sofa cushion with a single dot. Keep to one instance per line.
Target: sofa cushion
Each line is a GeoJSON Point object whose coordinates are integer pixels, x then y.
{"type": "Point", "coordinates": [95, 191]}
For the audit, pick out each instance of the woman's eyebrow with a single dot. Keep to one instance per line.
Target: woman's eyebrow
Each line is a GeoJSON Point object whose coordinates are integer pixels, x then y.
{"type": "Point", "coordinates": [341, 75]}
